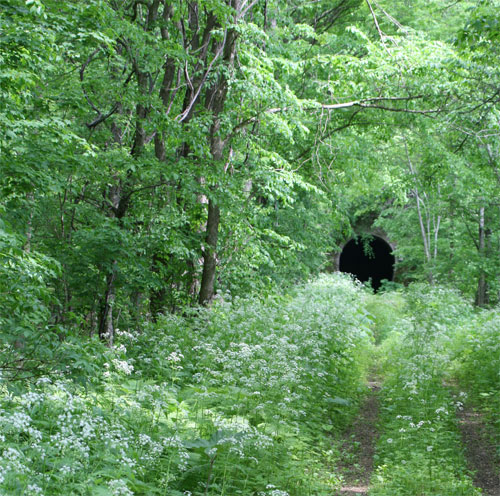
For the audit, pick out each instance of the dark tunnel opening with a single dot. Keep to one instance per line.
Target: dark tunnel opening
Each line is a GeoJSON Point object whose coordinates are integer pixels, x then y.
{"type": "Point", "coordinates": [369, 260]}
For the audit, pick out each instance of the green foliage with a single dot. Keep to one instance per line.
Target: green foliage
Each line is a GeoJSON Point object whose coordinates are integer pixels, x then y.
{"type": "Point", "coordinates": [114, 176]}
{"type": "Point", "coordinates": [124, 124]}
{"type": "Point", "coordinates": [483, 26]}
{"type": "Point", "coordinates": [384, 312]}
{"type": "Point", "coordinates": [29, 340]}
{"type": "Point", "coordinates": [477, 363]}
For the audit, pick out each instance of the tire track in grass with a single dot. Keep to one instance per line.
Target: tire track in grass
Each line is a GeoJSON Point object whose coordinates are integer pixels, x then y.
{"type": "Point", "coordinates": [479, 451]}
{"type": "Point", "coordinates": [359, 445]}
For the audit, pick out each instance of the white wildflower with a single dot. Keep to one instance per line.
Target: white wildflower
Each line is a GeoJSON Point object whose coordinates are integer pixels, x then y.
{"type": "Point", "coordinates": [119, 488]}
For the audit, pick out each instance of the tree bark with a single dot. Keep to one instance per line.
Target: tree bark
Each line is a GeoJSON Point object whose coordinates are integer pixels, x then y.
{"type": "Point", "coordinates": [214, 102]}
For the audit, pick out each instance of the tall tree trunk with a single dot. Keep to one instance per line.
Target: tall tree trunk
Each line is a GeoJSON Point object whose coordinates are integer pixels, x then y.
{"type": "Point", "coordinates": [215, 99]}
{"type": "Point", "coordinates": [119, 205]}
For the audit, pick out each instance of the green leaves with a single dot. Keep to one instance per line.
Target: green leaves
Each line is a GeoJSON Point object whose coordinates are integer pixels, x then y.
{"type": "Point", "coordinates": [28, 341]}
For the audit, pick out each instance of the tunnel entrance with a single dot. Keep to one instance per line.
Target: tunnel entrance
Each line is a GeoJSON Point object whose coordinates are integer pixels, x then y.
{"type": "Point", "coordinates": [369, 259]}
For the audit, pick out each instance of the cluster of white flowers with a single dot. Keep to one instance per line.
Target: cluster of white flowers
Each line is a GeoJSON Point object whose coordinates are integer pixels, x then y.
{"type": "Point", "coordinates": [271, 490]}
{"type": "Point", "coordinates": [254, 365]}
{"type": "Point", "coordinates": [18, 420]}
{"type": "Point", "coordinates": [121, 348]}
{"type": "Point", "coordinates": [119, 487]}
{"type": "Point", "coordinates": [43, 380]}
{"type": "Point", "coordinates": [126, 334]}
{"type": "Point", "coordinates": [33, 489]}
{"type": "Point", "coordinates": [123, 366]}
{"type": "Point", "coordinates": [175, 357]}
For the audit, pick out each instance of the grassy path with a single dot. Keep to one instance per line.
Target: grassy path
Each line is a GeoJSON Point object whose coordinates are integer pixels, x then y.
{"type": "Point", "coordinates": [359, 444]}
{"type": "Point", "coordinates": [419, 449]}
{"type": "Point", "coordinates": [251, 397]}
{"type": "Point", "coordinates": [358, 451]}
{"type": "Point", "coordinates": [479, 451]}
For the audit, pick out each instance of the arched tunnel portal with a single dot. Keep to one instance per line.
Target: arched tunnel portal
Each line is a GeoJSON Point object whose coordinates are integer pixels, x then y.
{"type": "Point", "coordinates": [368, 259]}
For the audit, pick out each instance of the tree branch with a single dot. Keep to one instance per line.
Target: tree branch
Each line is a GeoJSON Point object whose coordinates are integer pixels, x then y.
{"type": "Point", "coordinates": [382, 35]}
{"type": "Point", "coordinates": [185, 114]}
{"type": "Point", "coordinates": [82, 75]}
{"type": "Point", "coordinates": [363, 103]}
{"type": "Point", "coordinates": [102, 117]}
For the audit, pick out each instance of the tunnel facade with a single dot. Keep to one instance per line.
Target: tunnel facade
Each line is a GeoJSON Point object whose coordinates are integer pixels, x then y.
{"type": "Point", "coordinates": [368, 259]}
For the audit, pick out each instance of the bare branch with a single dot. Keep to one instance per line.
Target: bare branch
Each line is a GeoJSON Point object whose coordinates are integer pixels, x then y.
{"type": "Point", "coordinates": [245, 9]}
{"type": "Point", "coordinates": [363, 103]}
{"type": "Point", "coordinates": [392, 19]}
{"type": "Point", "coordinates": [366, 103]}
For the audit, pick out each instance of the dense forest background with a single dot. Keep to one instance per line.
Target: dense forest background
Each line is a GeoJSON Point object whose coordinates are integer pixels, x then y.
{"type": "Point", "coordinates": [156, 153]}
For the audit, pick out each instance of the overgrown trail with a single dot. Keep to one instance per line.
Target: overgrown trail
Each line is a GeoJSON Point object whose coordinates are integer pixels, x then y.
{"type": "Point", "coordinates": [359, 446]}
{"type": "Point", "coordinates": [480, 451]}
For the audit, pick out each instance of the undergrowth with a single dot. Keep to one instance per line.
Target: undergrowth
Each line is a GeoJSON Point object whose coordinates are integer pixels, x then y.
{"type": "Point", "coordinates": [250, 396]}
{"type": "Point", "coordinates": [477, 365]}
{"type": "Point", "coordinates": [231, 400]}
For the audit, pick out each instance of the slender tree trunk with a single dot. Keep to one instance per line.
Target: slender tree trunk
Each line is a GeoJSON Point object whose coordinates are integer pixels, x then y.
{"type": "Point", "coordinates": [119, 205]}
{"type": "Point", "coordinates": [29, 230]}
{"type": "Point", "coordinates": [106, 329]}
{"type": "Point", "coordinates": [482, 287]}
{"type": "Point", "coordinates": [423, 231]}
{"type": "Point", "coordinates": [429, 223]}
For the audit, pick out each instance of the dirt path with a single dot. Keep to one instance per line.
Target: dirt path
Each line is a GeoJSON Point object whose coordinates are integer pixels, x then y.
{"type": "Point", "coordinates": [480, 451]}
{"type": "Point", "coordinates": [358, 447]}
